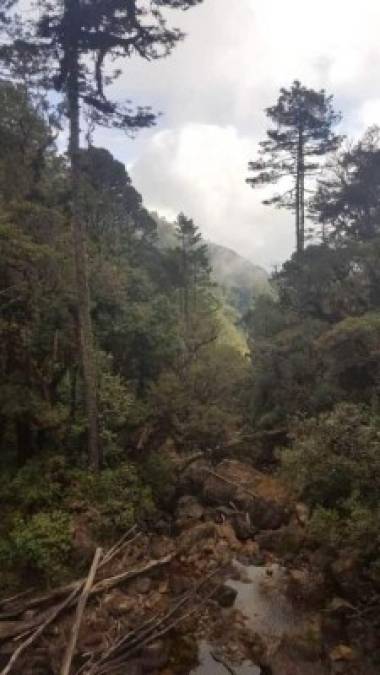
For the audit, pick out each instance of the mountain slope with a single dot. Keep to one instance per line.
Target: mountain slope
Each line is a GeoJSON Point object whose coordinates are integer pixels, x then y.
{"type": "Point", "coordinates": [240, 279]}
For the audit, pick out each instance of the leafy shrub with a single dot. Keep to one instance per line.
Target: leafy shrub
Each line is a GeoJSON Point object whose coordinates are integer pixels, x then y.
{"type": "Point", "coordinates": [40, 544]}
{"type": "Point", "coordinates": [334, 465]}
{"type": "Point", "coordinates": [117, 498]}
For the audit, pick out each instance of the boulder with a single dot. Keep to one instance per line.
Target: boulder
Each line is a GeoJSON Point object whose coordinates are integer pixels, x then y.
{"type": "Point", "coordinates": [236, 483]}
{"type": "Point", "coordinates": [225, 596]}
{"type": "Point", "coordinates": [241, 524]}
{"type": "Point", "coordinates": [191, 480]}
{"type": "Point", "coordinates": [287, 540]}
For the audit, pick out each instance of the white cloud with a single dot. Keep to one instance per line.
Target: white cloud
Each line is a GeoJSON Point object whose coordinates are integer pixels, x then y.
{"type": "Point", "coordinates": [213, 90]}
{"type": "Point", "coordinates": [200, 169]}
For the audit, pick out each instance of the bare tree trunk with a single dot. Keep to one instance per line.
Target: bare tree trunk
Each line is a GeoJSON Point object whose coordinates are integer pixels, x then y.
{"type": "Point", "coordinates": [302, 194]}
{"type": "Point", "coordinates": [80, 253]}
{"type": "Point", "coordinates": [297, 205]}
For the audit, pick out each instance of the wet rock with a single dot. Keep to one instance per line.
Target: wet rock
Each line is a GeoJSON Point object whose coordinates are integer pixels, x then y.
{"type": "Point", "coordinates": [225, 596]}
{"type": "Point", "coordinates": [241, 523]}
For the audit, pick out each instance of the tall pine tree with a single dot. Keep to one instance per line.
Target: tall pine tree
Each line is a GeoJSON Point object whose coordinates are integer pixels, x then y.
{"type": "Point", "coordinates": [65, 38]}
{"type": "Point", "coordinates": [303, 119]}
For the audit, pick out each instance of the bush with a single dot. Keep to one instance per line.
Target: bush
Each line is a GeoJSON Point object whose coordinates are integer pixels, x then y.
{"type": "Point", "coordinates": [40, 544]}
{"type": "Point", "coordinates": [117, 498]}
{"type": "Point", "coordinates": [334, 465]}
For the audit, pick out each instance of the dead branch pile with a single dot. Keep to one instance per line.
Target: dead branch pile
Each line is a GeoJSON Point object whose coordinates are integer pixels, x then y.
{"type": "Point", "coordinates": [49, 606]}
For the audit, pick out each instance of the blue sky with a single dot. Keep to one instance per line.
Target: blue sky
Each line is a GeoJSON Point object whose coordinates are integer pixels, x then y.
{"type": "Point", "coordinates": [213, 90]}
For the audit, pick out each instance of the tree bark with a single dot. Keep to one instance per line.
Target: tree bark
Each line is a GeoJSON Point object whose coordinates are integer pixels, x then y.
{"type": "Point", "coordinates": [79, 243]}
{"type": "Point", "coordinates": [302, 194]}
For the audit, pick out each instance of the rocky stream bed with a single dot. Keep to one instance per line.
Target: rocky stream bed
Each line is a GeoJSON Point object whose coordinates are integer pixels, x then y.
{"type": "Point", "coordinates": [220, 584]}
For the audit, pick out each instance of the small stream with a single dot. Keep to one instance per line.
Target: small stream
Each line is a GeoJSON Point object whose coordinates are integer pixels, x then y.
{"type": "Point", "coordinates": [282, 627]}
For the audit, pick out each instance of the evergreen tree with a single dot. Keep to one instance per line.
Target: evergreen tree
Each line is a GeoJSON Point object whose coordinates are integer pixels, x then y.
{"type": "Point", "coordinates": [66, 37]}
{"type": "Point", "coordinates": [194, 267]}
{"type": "Point", "coordinates": [303, 120]}
{"type": "Point", "coordinates": [347, 201]}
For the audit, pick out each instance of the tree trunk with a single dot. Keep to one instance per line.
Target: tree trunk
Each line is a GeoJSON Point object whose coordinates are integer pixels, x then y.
{"type": "Point", "coordinates": [302, 194]}
{"type": "Point", "coordinates": [297, 203]}
{"type": "Point", "coordinates": [79, 245]}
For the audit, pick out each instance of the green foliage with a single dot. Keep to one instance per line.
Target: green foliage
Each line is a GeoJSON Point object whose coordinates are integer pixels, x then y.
{"type": "Point", "coordinates": [334, 465]}
{"type": "Point", "coordinates": [116, 496]}
{"type": "Point", "coordinates": [200, 403]}
{"type": "Point", "coordinates": [40, 544]}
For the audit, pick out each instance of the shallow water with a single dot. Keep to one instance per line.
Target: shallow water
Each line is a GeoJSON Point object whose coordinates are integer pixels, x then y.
{"type": "Point", "coordinates": [208, 665]}
{"type": "Point", "coordinates": [269, 613]}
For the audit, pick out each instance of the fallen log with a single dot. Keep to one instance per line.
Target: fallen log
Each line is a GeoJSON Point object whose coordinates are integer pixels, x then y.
{"type": "Point", "coordinates": [66, 666]}
{"type": "Point", "coordinates": [51, 596]}
{"type": "Point", "coordinates": [15, 628]}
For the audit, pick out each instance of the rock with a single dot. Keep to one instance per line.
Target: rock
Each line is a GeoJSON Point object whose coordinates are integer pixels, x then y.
{"type": "Point", "coordinates": [160, 547]}
{"type": "Point", "coordinates": [342, 653]}
{"type": "Point", "coordinates": [216, 492]}
{"type": "Point", "coordinates": [192, 479]}
{"type": "Point", "coordinates": [264, 514]}
{"type": "Point", "coordinates": [302, 513]}
{"type": "Point", "coordinates": [306, 585]}
{"type": "Point", "coordinates": [346, 573]}
{"type": "Point", "coordinates": [179, 584]}
{"type": "Point", "coordinates": [154, 656]}
{"type": "Point", "coordinates": [190, 538]}
{"type": "Point", "coordinates": [225, 596]}
{"type": "Point", "coordinates": [287, 540]}
{"type": "Point", "coordinates": [142, 585]}
{"type": "Point", "coordinates": [242, 526]}
{"type": "Point", "coordinates": [188, 512]}
{"type": "Point", "coordinates": [339, 607]}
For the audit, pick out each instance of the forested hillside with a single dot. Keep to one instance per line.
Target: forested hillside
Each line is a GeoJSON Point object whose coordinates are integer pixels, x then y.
{"type": "Point", "coordinates": [240, 280]}
{"type": "Point", "coordinates": [171, 419]}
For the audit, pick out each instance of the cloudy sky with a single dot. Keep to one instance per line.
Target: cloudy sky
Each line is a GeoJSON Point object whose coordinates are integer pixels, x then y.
{"type": "Point", "coordinates": [213, 90]}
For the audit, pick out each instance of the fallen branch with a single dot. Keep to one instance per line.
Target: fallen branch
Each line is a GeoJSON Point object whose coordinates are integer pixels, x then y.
{"type": "Point", "coordinates": [66, 666]}
{"type": "Point", "coordinates": [225, 664]}
{"type": "Point", "coordinates": [30, 640]}
{"type": "Point", "coordinates": [125, 647]}
{"type": "Point", "coordinates": [16, 628]}
{"type": "Point", "coordinates": [62, 591]}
